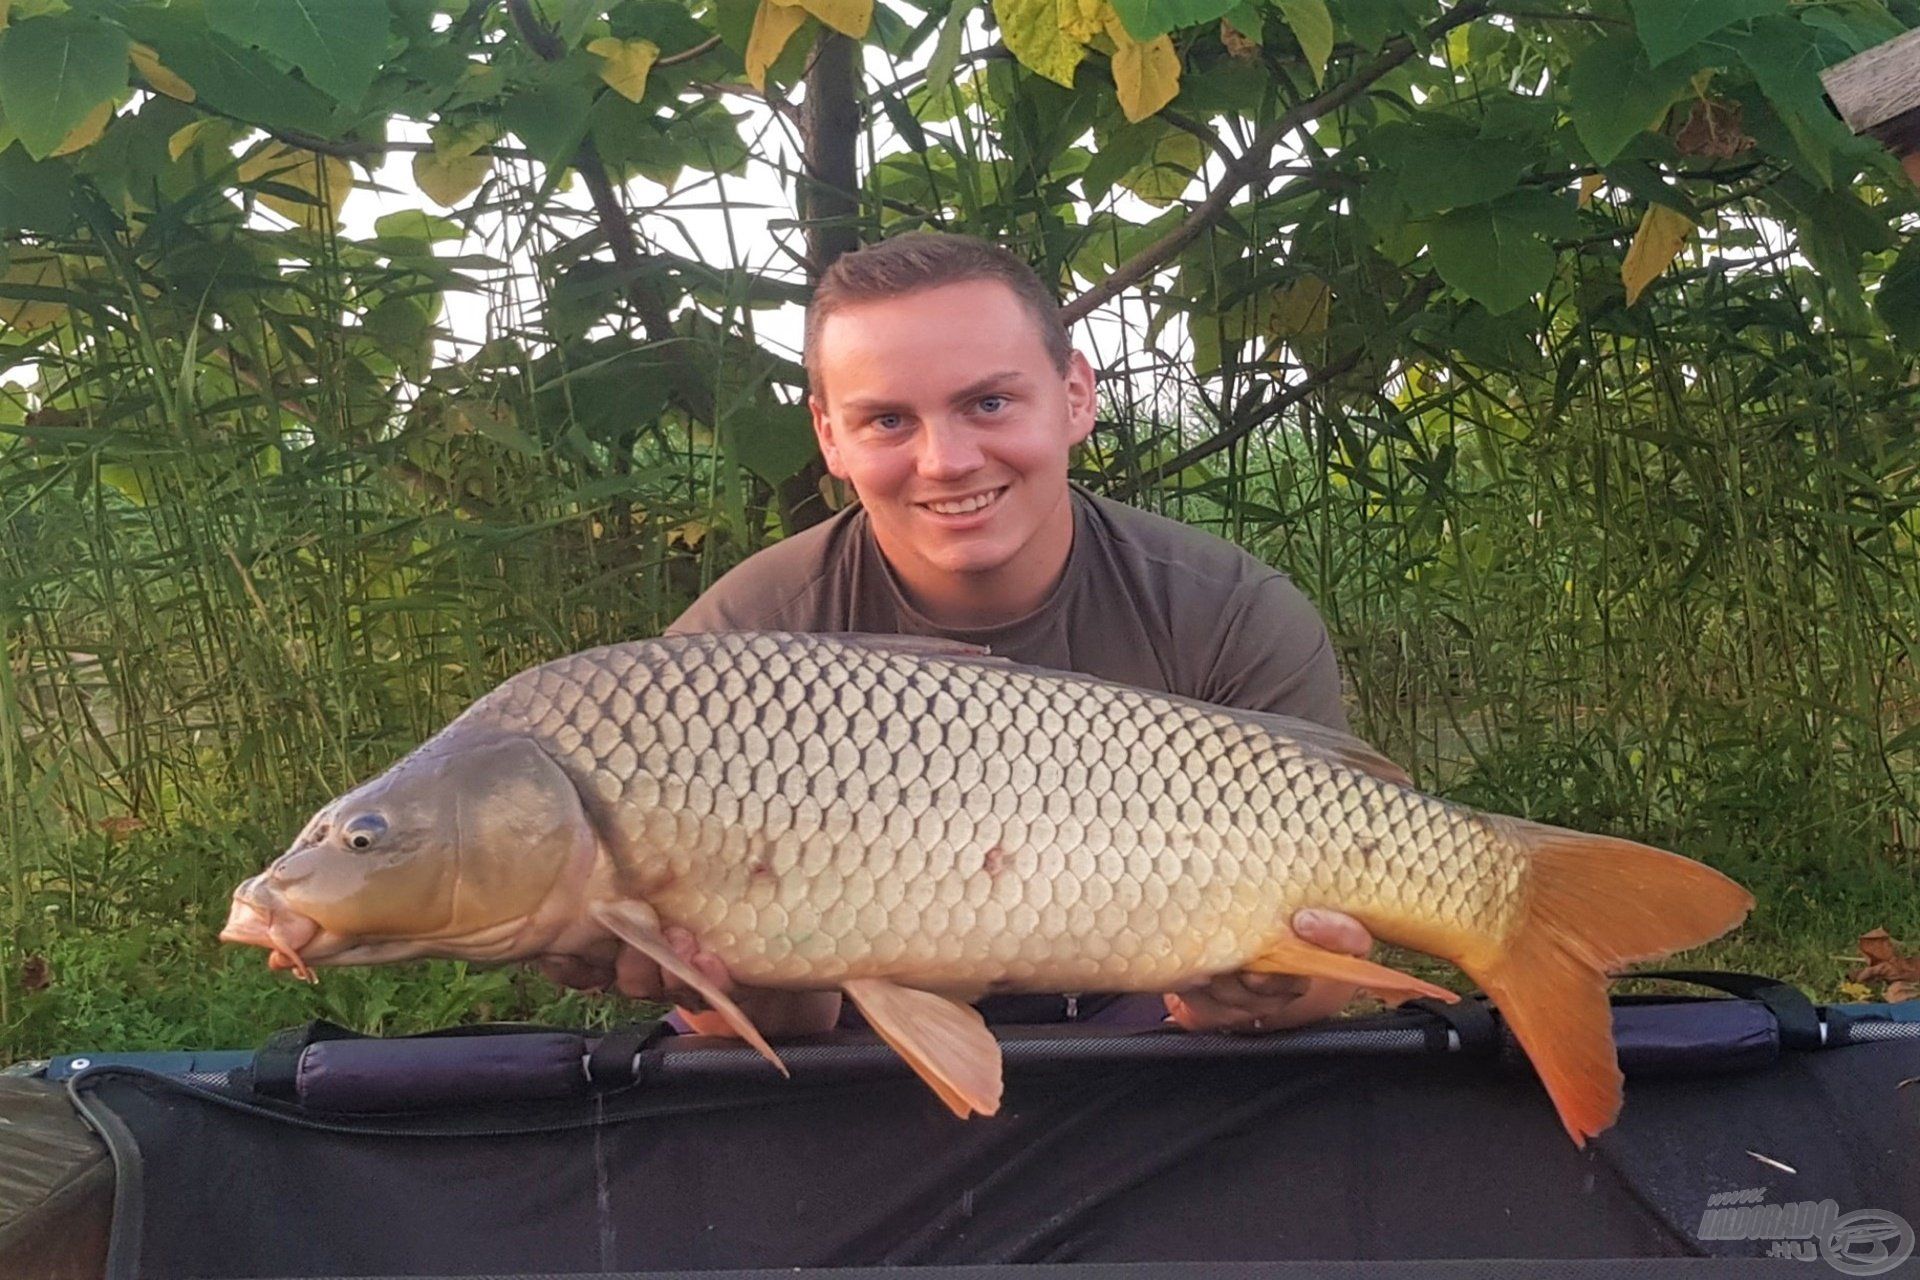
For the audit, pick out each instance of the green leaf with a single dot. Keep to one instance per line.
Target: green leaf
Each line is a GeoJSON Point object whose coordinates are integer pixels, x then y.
{"type": "Point", "coordinates": [34, 195]}
{"type": "Point", "coordinates": [1250, 20]}
{"type": "Point", "coordinates": [337, 44]}
{"type": "Point", "coordinates": [1898, 298]}
{"type": "Point", "coordinates": [1313, 28]}
{"type": "Point", "coordinates": [1441, 163]}
{"type": "Point", "coordinates": [946, 50]}
{"type": "Point", "coordinates": [551, 120]}
{"type": "Point", "coordinates": [416, 224]}
{"type": "Point", "coordinates": [1145, 19]}
{"type": "Point", "coordinates": [53, 71]}
{"type": "Point", "coordinates": [1499, 254]}
{"type": "Point", "coordinates": [1786, 58]}
{"type": "Point", "coordinates": [1614, 94]}
{"type": "Point", "coordinates": [231, 78]}
{"type": "Point", "coordinates": [773, 440]}
{"type": "Point", "coordinates": [1671, 27]}
{"type": "Point", "coordinates": [1371, 23]}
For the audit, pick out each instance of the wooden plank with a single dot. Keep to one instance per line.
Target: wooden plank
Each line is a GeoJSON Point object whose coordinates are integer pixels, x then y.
{"type": "Point", "coordinates": [1873, 87]}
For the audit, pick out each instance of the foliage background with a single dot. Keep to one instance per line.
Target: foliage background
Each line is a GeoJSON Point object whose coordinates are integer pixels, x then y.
{"type": "Point", "coordinates": [1563, 351]}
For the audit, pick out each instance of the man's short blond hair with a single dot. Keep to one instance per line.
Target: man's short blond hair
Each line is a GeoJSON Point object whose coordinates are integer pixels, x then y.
{"type": "Point", "coordinates": [920, 260]}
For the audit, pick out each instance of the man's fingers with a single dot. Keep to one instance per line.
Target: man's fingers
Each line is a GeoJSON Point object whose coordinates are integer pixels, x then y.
{"type": "Point", "coordinates": [1333, 930]}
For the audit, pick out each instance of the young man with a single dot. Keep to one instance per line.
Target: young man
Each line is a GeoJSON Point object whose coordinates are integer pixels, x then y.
{"type": "Point", "coordinates": [946, 392]}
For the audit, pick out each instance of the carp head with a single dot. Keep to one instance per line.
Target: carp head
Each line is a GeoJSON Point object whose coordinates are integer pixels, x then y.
{"type": "Point", "coordinates": [468, 850]}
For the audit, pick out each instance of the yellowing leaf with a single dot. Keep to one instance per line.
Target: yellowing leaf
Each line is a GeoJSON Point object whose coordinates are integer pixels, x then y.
{"type": "Point", "coordinates": [1655, 245]}
{"type": "Point", "coordinates": [6, 7]}
{"type": "Point", "coordinates": [1300, 310]}
{"type": "Point", "coordinates": [24, 314]}
{"type": "Point", "coordinates": [132, 482]}
{"type": "Point", "coordinates": [1082, 20]}
{"type": "Point", "coordinates": [848, 17]}
{"type": "Point", "coordinates": [1855, 992]}
{"type": "Point", "coordinates": [448, 179]}
{"type": "Point", "coordinates": [1147, 76]}
{"type": "Point", "coordinates": [211, 132]}
{"type": "Point", "coordinates": [326, 179]}
{"type": "Point", "coordinates": [1589, 184]}
{"type": "Point", "coordinates": [1168, 168]}
{"type": "Point", "coordinates": [87, 132]}
{"type": "Point", "coordinates": [625, 64]}
{"type": "Point", "coordinates": [1032, 32]}
{"type": "Point", "coordinates": [163, 80]}
{"type": "Point", "coordinates": [773, 25]}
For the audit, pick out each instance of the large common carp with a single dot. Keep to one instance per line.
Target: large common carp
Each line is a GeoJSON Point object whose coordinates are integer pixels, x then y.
{"type": "Point", "coordinates": [919, 824]}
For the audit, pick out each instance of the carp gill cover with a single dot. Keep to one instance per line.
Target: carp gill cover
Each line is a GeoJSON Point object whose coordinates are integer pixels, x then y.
{"type": "Point", "coordinates": [918, 824]}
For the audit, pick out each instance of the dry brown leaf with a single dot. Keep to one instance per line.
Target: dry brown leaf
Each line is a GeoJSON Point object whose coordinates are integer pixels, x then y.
{"type": "Point", "coordinates": [1885, 961]}
{"type": "Point", "coordinates": [35, 974]}
{"type": "Point", "coordinates": [1236, 42]}
{"type": "Point", "coordinates": [1898, 991]}
{"type": "Point", "coordinates": [1713, 129]}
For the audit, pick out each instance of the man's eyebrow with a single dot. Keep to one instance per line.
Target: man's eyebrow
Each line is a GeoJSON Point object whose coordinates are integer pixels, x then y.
{"type": "Point", "coordinates": [978, 387]}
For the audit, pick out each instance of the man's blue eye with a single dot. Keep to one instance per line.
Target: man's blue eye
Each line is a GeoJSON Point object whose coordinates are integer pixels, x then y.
{"type": "Point", "coordinates": [887, 421]}
{"type": "Point", "coordinates": [993, 404]}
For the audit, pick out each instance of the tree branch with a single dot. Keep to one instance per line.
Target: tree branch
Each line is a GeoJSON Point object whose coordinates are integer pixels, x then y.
{"type": "Point", "coordinates": [690, 389]}
{"type": "Point", "coordinates": [1252, 164]}
{"type": "Point", "coordinates": [1270, 409]}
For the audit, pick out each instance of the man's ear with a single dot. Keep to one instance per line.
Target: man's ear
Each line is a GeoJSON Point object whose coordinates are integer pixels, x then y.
{"type": "Point", "coordinates": [823, 433]}
{"type": "Point", "coordinates": [1081, 400]}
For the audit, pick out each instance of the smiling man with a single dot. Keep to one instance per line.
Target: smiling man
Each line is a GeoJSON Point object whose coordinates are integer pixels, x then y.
{"type": "Point", "coordinates": [946, 392]}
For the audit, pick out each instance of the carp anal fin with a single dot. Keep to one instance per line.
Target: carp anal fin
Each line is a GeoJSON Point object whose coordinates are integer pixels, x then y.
{"type": "Point", "coordinates": [947, 1043]}
{"type": "Point", "coordinates": [636, 926]}
{"type": "Point", "coordinates": [1288, 954]}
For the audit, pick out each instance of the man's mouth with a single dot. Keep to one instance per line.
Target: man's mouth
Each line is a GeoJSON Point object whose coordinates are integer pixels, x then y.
{"type": "Point", "coordinates": [965, 506]}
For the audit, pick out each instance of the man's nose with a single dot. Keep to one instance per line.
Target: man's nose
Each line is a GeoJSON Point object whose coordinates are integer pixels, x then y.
{"type": "Point", "coordinates": [948, 450]}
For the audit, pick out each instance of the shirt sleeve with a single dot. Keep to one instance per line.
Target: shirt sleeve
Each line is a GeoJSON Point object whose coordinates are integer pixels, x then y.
{"type": "Point", "coordinates": [1275, 655]}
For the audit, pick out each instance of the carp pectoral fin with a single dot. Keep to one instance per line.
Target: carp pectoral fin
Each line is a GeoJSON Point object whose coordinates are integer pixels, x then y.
{"type": "Point", "coordinates": [639, 928]}
{"type": "Point", "coordinates": [1289, 954]}
{"type": "Point", "coordinates": [947, 1043]}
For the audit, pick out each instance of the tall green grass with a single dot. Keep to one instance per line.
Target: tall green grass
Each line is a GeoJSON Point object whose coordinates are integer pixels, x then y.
{"type": "Point", "coordinates": [1658, 578]}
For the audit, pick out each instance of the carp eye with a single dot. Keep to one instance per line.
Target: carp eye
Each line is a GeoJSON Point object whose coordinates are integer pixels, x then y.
{"type": "Point", "coordinates": [364, 830]}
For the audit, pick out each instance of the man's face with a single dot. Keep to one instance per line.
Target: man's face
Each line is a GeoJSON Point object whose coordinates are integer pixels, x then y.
{"type": "Point", "coordinates": [945, 413]}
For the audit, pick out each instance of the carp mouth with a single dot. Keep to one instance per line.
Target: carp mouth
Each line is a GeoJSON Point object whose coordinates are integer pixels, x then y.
{"type": "Point", "coordinates": [282, 932]}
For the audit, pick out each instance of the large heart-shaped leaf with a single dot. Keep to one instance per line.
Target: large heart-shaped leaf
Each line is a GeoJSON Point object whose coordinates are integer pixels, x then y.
{"type": "Point", "coordinates": [1615, 94]}
{"type": "Point", "coordinates": [337, 44]}
{"type": "Point", "coordinates": [1671, 27]}
{"type": "Point", "coordinates": [1500, 254]}
{"type": "Point", "coordinates": [54, 72]}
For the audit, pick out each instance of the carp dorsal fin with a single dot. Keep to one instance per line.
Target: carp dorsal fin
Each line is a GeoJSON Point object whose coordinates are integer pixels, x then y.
{"type": "Point", "coordinates": [919, 646]}
{"type": "Point", "coordinates": [946, 1043]}
{"type": "Point", "coordinates": [636, 925]}
{"type": "Point", "coordinates": [1355, 753]}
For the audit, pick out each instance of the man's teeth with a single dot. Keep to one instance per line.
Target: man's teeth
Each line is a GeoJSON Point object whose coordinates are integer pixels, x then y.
{"type": "Point", "coordinates": [962, 506]}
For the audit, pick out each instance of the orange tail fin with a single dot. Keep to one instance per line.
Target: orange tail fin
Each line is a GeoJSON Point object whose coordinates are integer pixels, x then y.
{"type": "Point", "coordinates": [1592, 905]}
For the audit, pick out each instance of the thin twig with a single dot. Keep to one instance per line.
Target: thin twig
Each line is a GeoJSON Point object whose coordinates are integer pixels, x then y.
{"type": "Point", "coordinates": [1252, 164]}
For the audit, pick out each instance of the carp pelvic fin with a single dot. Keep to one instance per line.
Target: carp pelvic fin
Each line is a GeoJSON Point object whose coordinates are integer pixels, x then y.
{"type": "Point", "coordinates": [946, 1043]}
{"type": "Point", "coordinates": [1288, 954]}
{"type": "Point", "coordinates": [1592, 905]}
{"type": "Point", "coordinates": [637, 926]}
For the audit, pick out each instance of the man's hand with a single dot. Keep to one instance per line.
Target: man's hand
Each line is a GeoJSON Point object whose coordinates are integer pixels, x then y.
{"type": "Point", "coordinates": [1254, 1002]}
